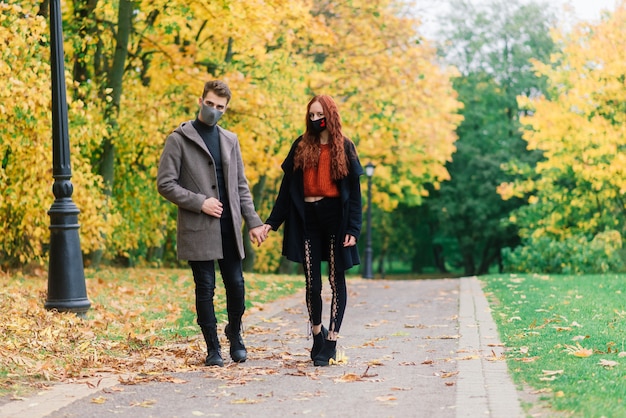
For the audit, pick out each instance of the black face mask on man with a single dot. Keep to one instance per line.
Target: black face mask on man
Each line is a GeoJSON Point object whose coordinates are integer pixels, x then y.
{"type": "Point", "coordinates": [317, 126]}
{"type": "Point", "coordinates": [210, 115]}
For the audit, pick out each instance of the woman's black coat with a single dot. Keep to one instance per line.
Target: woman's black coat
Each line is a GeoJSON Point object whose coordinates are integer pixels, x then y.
{"type": "Point", "coordinates": [289, 208]}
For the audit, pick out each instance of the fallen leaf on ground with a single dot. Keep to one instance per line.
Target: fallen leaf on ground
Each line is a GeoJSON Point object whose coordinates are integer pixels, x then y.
{"type": "Point", "coordinates": [526, 359]}
{"type": "Point", "coordinates": [495, 357]}
{"type": "Point", "coordinates": [578, 350]}
{"type": "Point", "coordinates": [244, 401]}
{"type": "Point", "coordinates": [348, 377]}
{"type": "Point", "coordinates": [551, 372]}
{"type": "Point", "coordinates": [543, 390]}
{"type": "Point", "coordinates": [560, 329]}
{"type": "Point", "coordinates": [607, 363]}
{"type": "Point", "coordinates": [444, 337]}
{"type": "Point", "coordinates": [550, 375]}
{"type": "Point", "coordinates": [145, 404]}
{"type": "Point", "coordinates": [386, 398]}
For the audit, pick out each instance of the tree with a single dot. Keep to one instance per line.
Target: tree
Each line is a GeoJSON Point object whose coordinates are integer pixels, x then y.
{"type": "Point", "coordinates": [135, 70]}
{"type": "Point", "coordinates": [492, 47]}
{"type": "Point", "coordinates": [579, 127]}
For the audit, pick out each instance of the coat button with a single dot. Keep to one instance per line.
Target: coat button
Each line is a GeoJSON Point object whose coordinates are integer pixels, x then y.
{"type": "Point", "coordinates": [213, 187]}
{"type": "Point", "coordinates": [210, 163]}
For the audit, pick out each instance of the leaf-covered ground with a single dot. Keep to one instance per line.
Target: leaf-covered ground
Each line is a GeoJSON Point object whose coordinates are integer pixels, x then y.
{"type": "Point", "coordinates": [141, 324]}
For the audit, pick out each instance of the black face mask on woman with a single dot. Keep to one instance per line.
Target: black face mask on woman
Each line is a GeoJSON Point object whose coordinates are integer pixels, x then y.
{"type": "Point", "coordinates": [317, 126]}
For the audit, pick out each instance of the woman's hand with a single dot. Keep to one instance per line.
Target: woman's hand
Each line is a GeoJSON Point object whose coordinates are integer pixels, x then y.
{"type": "Point", "coordinates": [349, 241]}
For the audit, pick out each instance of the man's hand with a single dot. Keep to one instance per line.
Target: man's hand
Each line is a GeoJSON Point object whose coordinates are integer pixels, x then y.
{"type": "Point", "coordinates": [258, 235]}
{"type": "Point", "coordinates": [213, 207]}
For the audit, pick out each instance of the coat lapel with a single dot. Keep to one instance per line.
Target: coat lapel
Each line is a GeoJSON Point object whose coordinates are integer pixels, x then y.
{"type": "Point", "coordinates": [226, 147]}
{"type": "Point", "coordinates": [190, 132]}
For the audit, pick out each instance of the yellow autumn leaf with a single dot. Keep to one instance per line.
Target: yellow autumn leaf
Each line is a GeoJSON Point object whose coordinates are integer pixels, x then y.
{"type": "Point", "coordinates": [340, 358]}
{"type": "Point", "coordinates": [578, 351]}
{"type": "Point", "coordinates": [348, 377]}
{"type": "Point", "coordinates": [244, 401]}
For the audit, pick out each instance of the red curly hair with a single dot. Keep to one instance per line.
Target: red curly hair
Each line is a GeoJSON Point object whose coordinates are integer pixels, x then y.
{"type": "Point", "coordinates": [308, 151]}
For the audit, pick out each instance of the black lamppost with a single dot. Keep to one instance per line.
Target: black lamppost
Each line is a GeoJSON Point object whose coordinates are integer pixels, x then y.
{"type": "Point", "coordinates": [367, 273]}
{"type": "Point", "coordinates": [66, 276]}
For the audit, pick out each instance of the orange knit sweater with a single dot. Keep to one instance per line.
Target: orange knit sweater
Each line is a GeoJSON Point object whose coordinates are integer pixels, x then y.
{"type": "Point", "coordinates": [317, 181]}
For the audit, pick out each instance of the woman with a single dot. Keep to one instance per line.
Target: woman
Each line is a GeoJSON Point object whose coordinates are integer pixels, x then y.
{"type": "Point", "coordinates": [320, 203]}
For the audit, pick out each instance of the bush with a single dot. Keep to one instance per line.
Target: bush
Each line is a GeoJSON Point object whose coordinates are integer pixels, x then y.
{"type": "Point", "coordinates": [573, 255]}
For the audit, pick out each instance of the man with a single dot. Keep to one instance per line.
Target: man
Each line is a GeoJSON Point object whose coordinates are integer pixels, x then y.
{"type": "Point", "coordinates": [201, 171]}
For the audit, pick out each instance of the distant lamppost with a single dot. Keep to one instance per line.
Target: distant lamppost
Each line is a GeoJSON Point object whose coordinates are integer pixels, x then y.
{"type": "Point", "coordinates": [66, 276]}
{"type": "Point", "coordinates": [367, 273]}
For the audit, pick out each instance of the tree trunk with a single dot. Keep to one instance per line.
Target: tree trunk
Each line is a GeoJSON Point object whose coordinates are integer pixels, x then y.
{"type": "Point", "coordinates": [115, 78]}
{"type": "Point", "coordinates": [469, 266]}
{"type": "Point", "coordinates": [440, 261]}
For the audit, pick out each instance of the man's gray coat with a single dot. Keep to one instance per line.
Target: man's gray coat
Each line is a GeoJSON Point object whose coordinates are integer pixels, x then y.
{"type": "Point", "coordinates": [187, 177]}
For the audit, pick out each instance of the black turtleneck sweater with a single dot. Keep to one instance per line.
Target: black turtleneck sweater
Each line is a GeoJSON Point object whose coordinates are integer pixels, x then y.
{"type": "Point", "coordinates": [211, 138]}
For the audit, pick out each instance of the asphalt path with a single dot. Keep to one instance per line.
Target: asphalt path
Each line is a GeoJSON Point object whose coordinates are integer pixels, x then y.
{"type": "Point", "coordinates": [425, 348]}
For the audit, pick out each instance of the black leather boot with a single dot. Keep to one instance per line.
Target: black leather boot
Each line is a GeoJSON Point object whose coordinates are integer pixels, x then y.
{"type": "Point", "coordinates": [318, 342]}
{"type": "Point", "coordinates": [238, 351]}
{"type": "Point", "coordinates": [328, 351]}
{"type": "Point", "coordinates": [214, 356]}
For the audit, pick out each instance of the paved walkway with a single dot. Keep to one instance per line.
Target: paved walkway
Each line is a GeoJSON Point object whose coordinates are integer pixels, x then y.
{"type": "Point", "coordinates": [425, 348]}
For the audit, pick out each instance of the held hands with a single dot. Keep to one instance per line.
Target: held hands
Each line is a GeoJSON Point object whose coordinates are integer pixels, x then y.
{"type": "Point", "coordinates": [259, 234]}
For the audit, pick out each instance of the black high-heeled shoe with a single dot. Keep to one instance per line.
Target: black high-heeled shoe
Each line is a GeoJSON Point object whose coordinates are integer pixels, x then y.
{"type": "Point", "coordinates": [318, 342]}
{"type": "Point", "coordinates": [328, 351]}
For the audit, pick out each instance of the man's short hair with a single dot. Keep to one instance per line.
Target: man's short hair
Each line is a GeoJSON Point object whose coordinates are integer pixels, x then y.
{"type": "Point", "coordinates": [218, 87]}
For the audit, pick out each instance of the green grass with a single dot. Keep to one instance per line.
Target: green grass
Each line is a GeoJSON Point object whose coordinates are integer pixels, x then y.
{"type": "Point", "coordinates": [166, 297]}
{"type": "Point", "coordinates": [550, 324]}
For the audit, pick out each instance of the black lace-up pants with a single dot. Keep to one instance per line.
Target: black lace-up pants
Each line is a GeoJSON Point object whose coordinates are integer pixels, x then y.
{"type": "Point", "coordinates": [321, 241]}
